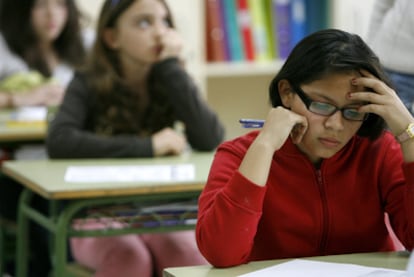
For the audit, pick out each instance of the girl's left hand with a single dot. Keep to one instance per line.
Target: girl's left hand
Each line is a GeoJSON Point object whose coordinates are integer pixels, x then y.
{"type": "Point", "coordinates": [384, 102]}
{"type": "Point", "coordinates": [172, 44]}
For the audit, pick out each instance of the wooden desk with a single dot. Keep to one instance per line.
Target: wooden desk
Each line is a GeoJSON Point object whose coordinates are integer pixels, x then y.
{"type": "Point", "coordinates": [392, 260]}
{"type": "Point", "coordinates": [20, 133]}
{"type": "Point", "coordinates": [46, 178]}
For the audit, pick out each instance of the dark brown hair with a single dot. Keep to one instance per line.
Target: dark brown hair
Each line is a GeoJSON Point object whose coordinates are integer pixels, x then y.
{"type": "Point", "coordinates": [328, 52]}
{"type": "Point", "coordinates": [119, 109]}
{"type": "Point", "coordinates": [16, 27]}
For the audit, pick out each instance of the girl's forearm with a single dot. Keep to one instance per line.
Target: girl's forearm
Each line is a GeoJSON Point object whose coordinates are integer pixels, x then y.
{"type": "Point", "coordinates": [256, 163]}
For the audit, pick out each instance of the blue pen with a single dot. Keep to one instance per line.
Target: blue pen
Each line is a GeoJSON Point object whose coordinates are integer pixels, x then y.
{"type": "Point", "coordinates": [251, 123]}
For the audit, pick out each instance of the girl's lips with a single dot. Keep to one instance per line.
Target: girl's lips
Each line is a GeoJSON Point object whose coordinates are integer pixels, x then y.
{"type": "Point", "coordinates": [158, 49]}
{"type": "Point", "coordinates": [51, 25]}
{"type": "Point", "coordinates": [330, 143]}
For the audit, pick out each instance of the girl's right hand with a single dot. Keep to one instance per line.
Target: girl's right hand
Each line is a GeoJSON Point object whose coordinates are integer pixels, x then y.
{"type": "Point", "coordinates": [52, 94]}
{"type": "Point", "coordinates": [279, 124]}
{"type": "Point", "coordinates": [172, 44]}
{"type": "Point", "coordinates": [48, 95]}
{"type": "Point", "coordinates": [168, 142]}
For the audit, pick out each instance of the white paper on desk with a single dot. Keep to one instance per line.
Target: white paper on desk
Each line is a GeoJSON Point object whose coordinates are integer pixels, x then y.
{"type": "Point", "coordinates": [130, 173]}
{"type": "Point", "coordinates": [305, 268]}
{"type": "Point", "coordinates": [33, 113]}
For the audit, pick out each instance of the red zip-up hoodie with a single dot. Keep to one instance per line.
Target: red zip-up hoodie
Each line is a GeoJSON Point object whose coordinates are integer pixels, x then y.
{"type": "Point", "coordinates": [304, 211]}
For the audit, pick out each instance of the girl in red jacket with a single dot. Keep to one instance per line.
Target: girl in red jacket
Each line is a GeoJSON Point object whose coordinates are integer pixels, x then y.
{"type": "Point", "coordinates": [335, 154]}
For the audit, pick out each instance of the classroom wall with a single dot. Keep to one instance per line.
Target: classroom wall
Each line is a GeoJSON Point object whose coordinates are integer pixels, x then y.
{"type": "Point", "coordinates": [90, 7]}
{"type": "Point", "coordinates": [352, 15]}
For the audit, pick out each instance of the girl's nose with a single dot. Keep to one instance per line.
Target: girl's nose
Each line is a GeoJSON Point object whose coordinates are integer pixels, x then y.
{"type": "Point", "coordinates": [335, 121]}
{"type": "Point", "coordinates": [160, 28]}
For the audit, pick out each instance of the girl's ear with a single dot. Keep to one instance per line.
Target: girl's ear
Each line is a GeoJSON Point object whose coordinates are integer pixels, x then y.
{"type": "Point", "coordinates": [285, 92]}
{"type": "Point", "coordinates": [110, 38]}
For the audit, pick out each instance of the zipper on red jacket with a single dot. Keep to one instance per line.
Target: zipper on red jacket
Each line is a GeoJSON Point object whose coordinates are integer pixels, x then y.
{"type": "Point", "coordinates": [325, 214]}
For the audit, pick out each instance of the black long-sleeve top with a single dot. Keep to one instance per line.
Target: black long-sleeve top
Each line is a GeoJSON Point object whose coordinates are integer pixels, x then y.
{"type": "Point", "coordinates": [71, 133]}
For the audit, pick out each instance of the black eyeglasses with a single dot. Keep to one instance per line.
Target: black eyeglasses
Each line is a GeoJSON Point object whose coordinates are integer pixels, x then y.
{"type": "Point", "coordinates": [326, 109]}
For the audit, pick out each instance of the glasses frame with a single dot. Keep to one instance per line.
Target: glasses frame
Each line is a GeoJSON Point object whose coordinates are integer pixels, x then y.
{"type": "Point", "coordinates": [308, 102]}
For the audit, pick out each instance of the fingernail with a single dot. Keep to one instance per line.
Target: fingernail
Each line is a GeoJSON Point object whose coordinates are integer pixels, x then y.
{"type": "Point", "coordinates": [353, 81]}
{"type": "Point", "coordinates": [349, 94]}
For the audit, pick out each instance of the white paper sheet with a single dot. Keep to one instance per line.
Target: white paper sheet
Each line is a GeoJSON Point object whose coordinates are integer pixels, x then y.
{"type": "Point", "coordinates": [130, 173]}
{"type": "Point", "coordinates": [35, 113]}
{"type": "Point", "coordinates": [305, 268]}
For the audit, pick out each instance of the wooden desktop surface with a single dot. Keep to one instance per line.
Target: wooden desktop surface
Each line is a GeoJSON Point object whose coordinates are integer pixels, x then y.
{"type": "Point", "coordinates": [18, 132]}
{"type": "Point", "coordinates": [46, 177]}
{"type": "Point", "coordinates": [391, 260]}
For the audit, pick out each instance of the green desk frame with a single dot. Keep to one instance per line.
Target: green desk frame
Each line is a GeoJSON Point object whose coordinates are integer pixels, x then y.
{"type": "Point", "coordinates": [10, 138]}
{"type": "Point", "coordinates": [37, 177]}
{"type": "Point", "coordinates": [58, 223]}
